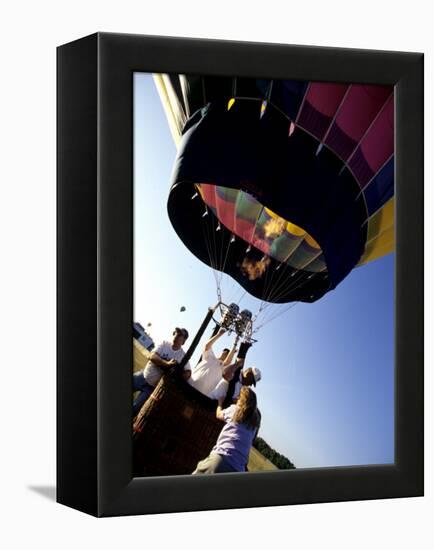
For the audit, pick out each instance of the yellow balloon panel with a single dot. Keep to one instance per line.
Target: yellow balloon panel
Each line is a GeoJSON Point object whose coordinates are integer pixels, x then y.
{"type": "Point", "coordinates": [381, 233]}
{"type": "Point", "coordinates": [295, 230]}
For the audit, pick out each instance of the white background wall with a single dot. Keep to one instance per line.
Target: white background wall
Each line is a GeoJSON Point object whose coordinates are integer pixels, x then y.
{"type": "Point", "coordinates": [30, 31]}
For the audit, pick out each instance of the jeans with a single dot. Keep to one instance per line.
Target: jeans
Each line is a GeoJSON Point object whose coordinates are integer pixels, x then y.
{"type": "Point", "coordinates": [145, 389]}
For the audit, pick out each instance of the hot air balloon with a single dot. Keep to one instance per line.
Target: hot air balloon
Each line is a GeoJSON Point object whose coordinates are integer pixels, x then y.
{"type": "Point", "coordinates": [284, 185]}
{"type": "Point", "coordinates": [182, 308]}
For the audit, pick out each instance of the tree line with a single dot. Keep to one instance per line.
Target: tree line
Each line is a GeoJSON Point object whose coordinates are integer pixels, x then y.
{"type": "Point", "coordinates": [279, 460]}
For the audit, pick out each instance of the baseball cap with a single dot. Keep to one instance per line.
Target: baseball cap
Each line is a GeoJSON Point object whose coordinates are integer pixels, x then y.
{"type": "Point", "coordinates": [182, 331]}
{"type": "Point", "coordinates": [256, 375]}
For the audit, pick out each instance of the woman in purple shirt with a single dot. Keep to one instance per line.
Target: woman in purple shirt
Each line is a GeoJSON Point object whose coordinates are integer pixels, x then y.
{"type": "Point", "coordinates": [231, 452]}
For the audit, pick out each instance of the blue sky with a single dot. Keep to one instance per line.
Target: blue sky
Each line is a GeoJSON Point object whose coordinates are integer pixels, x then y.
{"type": "Point", "coordinates": [327, 393]}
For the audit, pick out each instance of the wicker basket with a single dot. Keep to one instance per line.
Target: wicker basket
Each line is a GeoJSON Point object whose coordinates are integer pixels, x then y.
{"type": "Point", "coordinates": [175, 428]}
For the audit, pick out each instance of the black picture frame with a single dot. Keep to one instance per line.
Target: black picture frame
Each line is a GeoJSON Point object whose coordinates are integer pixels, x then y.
{"type": "Point", "coordinates": [95, 274]}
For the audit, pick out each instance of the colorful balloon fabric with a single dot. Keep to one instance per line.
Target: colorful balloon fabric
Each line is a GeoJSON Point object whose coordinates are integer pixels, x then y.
{"type": "Point", "coordinates": [284, 185]}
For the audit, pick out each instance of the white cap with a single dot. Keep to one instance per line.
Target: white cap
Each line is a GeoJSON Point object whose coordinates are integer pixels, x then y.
{"type": "Point", "coordinates": [256, 374]}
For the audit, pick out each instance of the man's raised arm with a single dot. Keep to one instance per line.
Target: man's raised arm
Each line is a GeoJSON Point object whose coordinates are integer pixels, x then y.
{"type": "Point", "coordinates": [231, 354]}
{"type": "Point", "coordinates": [214, 339]}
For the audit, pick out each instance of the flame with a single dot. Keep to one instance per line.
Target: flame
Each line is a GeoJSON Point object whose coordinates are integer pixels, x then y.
{"type": "Point", "coordinates": [274, 228]}
{"type": "Point", "coordinates": [253, 270]}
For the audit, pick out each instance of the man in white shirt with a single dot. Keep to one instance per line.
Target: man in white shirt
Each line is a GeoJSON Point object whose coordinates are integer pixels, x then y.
{"type": "Point", "coordinates": [164, 357]}
{"type": "Point", "coordinates": [247, 377]}
{"type": "Point", "coordinates": [211, 369]}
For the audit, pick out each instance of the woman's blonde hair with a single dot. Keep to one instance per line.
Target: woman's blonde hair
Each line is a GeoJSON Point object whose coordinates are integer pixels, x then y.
{"type": "Point", "coordinates": [247, 412]}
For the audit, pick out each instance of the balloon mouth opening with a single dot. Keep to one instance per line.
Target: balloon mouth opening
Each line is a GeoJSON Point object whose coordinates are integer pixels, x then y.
{"type": "Point", "coordinates": [277, 238]}
{"type": "Point", "coordinates": [258, 272]}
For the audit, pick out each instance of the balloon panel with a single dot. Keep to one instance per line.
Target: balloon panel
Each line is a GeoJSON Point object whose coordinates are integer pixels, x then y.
{"type": "Point", "coordinates": [381, 188]}
{"type": "Point", "coordinates": [320, 105]}
{"type": "Point", "coordinates": [381, 233]}
{"type": "Point", "coordinates": [246, 218]}
{"type": "Point", "coordinates": [354, 117]}
{"type": "Point", "coordinates": [376, 147]}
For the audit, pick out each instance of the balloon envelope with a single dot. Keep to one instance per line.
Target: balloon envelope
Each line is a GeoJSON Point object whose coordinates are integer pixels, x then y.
{"type": "Point", "coordinates": [292, 179]}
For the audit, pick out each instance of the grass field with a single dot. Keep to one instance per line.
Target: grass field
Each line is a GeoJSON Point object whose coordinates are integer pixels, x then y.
{"type": "Point", "coordinates": [257, 462]}
{"type": "Point", "coordinates": [140, 356]}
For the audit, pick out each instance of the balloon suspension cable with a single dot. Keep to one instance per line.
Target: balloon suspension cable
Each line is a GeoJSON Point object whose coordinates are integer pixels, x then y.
{"type": "Point", "coordinates": [218, 245]}
{"type": "Point", "coordinates": [211, 247]}
{"type": "Point", "coordinates": [277, 282]}
{"type": "Point", "coordinates": [296, 280]}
